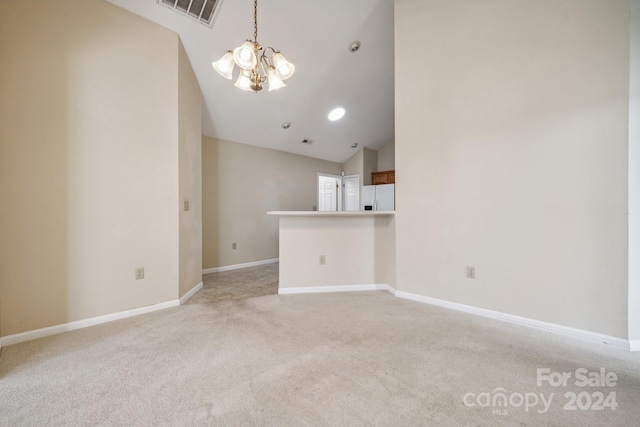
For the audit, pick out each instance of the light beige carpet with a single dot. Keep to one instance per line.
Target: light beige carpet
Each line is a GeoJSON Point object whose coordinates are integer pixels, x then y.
{"type": "Point", "coordinates": [238, 284]}
{"type": "Point", "coordinates": [347, 359]}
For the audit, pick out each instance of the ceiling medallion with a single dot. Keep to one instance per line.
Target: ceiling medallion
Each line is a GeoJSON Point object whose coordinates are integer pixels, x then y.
{"type": "Point", "coordinates": [255, 68]}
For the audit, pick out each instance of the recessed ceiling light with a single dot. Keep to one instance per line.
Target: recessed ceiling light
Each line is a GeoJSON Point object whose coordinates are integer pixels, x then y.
{"type": "Point", "coordinates": [354, 145]}
{"type": "Point", "coordinates": [336, 114]}
{"type": "Point", "coordinates": [286, 125]}
{"type": "Point", "coordinates": [355, 46]}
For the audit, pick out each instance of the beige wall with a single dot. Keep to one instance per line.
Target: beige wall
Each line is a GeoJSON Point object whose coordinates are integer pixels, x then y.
{"type": "Point", "coordinates": [355, 165]}
{"type": "Point", "coordinates": [385, 250]}
{"type": "Point", "coordinates": [362, 163]}
{"type": "Point", "coordinates": [242, 182]}
{"type": "Point", "coordinates": [190, 154]}
{"type": "Point", "coordinates": [634, 176]}
{"type": "Point", "coordinates": [88, 162]}
{"type": "Point", "coordinates": [367, 160]}
{"type": "Point", "coordinates": [348, 244]}
{"type": "Point", "coordinates": [387, 157]}
{"type": "Point", "coordinates": [358, 250]}
{"type": "Point", "coordinates": [369, 165]}
{"type": "Point", "coordinates": [513, 155]}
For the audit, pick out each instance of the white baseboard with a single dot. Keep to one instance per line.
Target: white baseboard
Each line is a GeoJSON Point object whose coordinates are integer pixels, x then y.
{"type": "Point", "coordinates": [537, 324]}
{"type": "Point", "coordinates": [633, 345]}
{"type": "Point", "coordinates": [323, 289]}
{"type": "Point", "coordinates": [79, 324]}
{"type": "Point", "coordinates": [510, 318]}
{"type": "Point", "coordinates": [191, 293]}
{"type": "Point", "coordinates": [239, 266]}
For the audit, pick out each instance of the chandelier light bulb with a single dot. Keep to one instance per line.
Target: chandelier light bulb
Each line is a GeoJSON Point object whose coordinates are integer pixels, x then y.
{"type": "Point", "coordinates": [285, 70]}
{"type": "Point", "coordinates": [284, 67]}
{"type": "Point", "coordinates": [245, 56]}
{"type": "Point", "coordinates": [244, 80]}
{"type": "Point", "coordinates": [224, 66]}
{"type": "Point", "coordinates": [275, 82]}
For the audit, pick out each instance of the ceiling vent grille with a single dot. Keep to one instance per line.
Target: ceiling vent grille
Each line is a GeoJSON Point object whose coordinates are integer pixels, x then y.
{"type": "Point", "coordinates": [201, 10]}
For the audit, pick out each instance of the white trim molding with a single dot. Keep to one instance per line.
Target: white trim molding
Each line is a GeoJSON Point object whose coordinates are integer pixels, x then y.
{"type": "Point", "coordinates": [239, 266]}
{"type": "Point", "coordinates": [324, 289]}
{"type": "Point", "coordinates": [79, 324]}
{"type": "Point", "coordinates": [496, 315]}
{"type": "Point", "coordinates": [191, 293]}
{"type": "Point", "coordinates": [510, 318]}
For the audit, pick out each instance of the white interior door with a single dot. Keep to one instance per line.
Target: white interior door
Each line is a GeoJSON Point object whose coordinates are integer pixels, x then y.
{"type": "Point", "coordinates": [327, 193]}
{"type": "Point", "coordinates": [351, 192]}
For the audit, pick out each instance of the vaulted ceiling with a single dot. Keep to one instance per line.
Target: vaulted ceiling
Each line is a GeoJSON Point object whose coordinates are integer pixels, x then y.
{"type": "Point", "coordinates": [316, 37]}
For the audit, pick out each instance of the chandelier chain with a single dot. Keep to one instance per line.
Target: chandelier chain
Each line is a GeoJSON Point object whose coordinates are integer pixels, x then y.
{"type": "Point", "coordinates": [255, 21]}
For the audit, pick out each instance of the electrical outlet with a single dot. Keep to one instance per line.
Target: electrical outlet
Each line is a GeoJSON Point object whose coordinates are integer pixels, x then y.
{"type": "Point", "coordinates": [186, 205]}
{"type": "Point", "coordinates": [234, 246]}
{"type": "Point", "coordinates": [471, 272]}
{"type": "Point", "coordinates": [139, 273]}
{"type": "Point", "coordinates": [322, 260]}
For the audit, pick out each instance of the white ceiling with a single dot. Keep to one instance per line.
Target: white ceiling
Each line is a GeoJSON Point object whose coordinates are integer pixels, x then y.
{"type": "Point", "coordinates": [315, 36]}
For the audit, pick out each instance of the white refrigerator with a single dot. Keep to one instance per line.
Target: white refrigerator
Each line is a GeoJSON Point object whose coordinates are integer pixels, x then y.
{"type": "Point", "coordinates": [379, 197]}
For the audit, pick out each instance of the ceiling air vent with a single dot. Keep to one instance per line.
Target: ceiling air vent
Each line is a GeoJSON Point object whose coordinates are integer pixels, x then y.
{"type": "Point", "coordinates": [202, 10]}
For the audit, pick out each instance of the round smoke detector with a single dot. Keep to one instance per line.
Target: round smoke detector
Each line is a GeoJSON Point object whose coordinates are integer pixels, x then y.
{"type": "Point", "coordinates": [355, 46]}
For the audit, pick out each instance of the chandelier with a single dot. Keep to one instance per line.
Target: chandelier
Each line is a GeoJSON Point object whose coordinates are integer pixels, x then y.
{"type": "Point", "coordinates": [255, 67]}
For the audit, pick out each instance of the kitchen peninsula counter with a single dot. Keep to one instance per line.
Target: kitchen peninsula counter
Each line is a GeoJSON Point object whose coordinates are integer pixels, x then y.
{"type": "Point", "coordinates": [332, 213]}
{"type": "Point", "coordinates": [332, 251]}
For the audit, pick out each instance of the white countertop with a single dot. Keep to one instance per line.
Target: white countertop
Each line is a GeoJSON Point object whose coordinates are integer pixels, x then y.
{"type": "Point", "coordinates": [332, 213]}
